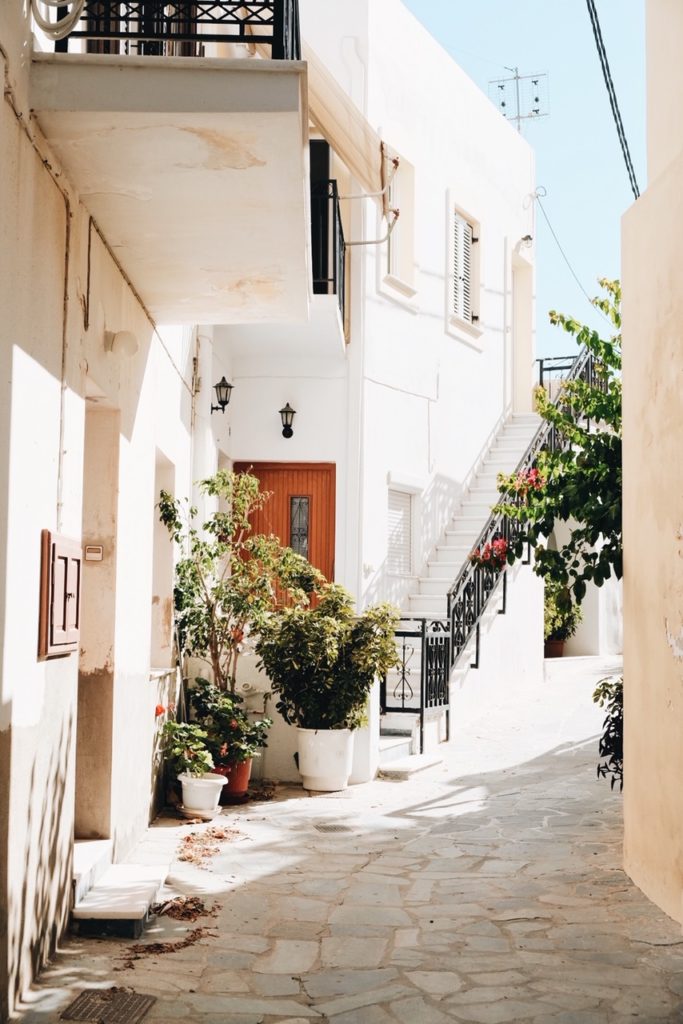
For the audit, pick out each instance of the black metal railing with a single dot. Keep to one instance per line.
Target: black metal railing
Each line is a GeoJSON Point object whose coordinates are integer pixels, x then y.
{"type": "Point", "coordinates": [419, 686]}
{"type": "Point", "coordinates": [327, 240]}
{"type": "Point", "coordinates": [476, 584]}
{"type": "Point", "coordinates": [183, 27]}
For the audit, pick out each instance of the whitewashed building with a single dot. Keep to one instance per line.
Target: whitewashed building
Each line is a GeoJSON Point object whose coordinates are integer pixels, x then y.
{"type": "Point", "coordinates": [203, 176]}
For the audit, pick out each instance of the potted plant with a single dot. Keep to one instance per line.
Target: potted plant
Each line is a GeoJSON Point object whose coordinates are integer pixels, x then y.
{"type": "Point", "coordinates": [228, 580]}
{"type": "Point", "coordinates": [561, 618]}
{"type": "Point", "coordinates": [189, 759]}
{"type": "Point", "coordinates": [233, 736]}
{"type": "Point", "coordinates": [322, 662]}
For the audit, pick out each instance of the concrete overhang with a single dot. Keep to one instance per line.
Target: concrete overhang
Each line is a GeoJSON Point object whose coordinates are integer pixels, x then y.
{"type": "Point", "coordinates": [196, 173]}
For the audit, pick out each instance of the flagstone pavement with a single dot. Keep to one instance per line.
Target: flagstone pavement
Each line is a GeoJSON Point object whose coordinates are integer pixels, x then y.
{"type": "Point", "coordinates": [488, 889]}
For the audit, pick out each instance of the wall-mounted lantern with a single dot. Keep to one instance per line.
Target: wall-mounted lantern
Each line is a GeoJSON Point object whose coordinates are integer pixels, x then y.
{"type": "Point", "coordinates": [223, 391]}
{"type": "Point", "coordinates": [287, 416]}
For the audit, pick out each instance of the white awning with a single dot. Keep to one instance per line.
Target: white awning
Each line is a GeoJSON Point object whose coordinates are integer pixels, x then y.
{"type": "Point", "coordinates": [337, 117]}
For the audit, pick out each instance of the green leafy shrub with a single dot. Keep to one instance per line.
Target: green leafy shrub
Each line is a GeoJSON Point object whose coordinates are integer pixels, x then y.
{"type": "Point", "coordinates": [609, 694]}
{"type": "Point", "coordinates": [322, 661]}
{"type": "Point", "coordinates": [561, 617]}
{"type": "Point", "coordinates": [185, 749]}
{"type": "Point", "coordinates": [233, 735]}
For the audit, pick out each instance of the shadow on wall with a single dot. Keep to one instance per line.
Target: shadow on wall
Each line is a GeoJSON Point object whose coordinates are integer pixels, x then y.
{"type": "Point", "coordinates": [38, 914]}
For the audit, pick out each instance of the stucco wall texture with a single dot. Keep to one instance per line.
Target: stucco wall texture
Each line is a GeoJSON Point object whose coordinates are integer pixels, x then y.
{"type": "Point", "coordinates": [652, 255]}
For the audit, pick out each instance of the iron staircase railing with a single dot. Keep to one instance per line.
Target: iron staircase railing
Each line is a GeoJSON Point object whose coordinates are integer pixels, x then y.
{"type": "Point", "coordinates": [420, 685]}
{"type": "Point", "coordinates": [429, 649]}
{"type": "Point", "coordinates": [183, 27]}
{"type": "Point", "coordinates": [475, 585]}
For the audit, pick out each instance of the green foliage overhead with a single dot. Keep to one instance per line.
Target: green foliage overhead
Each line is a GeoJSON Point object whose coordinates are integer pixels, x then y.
{"type": "Point", "coordinates": [322, 661]}
{"type": "Point", "coordinates": [581, 485]}
{"type": "Point", "coordinates": [229, 579]}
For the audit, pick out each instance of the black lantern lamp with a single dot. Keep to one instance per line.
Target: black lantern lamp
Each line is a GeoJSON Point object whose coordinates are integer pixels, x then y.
{"type": "Point", "coordinates": [287, 416]}
{"type": "Point", "coordinates": [223, 391]}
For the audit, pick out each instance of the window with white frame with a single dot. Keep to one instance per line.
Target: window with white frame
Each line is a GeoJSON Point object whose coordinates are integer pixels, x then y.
{"type": "Point", "coordinates": [400, 522]}
{"type": "Point", "coordinates": [464, 271]}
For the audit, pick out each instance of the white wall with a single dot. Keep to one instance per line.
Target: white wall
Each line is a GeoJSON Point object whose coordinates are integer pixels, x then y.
{"type": "Point", "coordinates": [60, 291]}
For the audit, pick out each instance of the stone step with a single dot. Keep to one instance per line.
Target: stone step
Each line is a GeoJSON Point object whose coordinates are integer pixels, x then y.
{"type": "Point", "coordinates": [398, 723]}
{"type": "Point", "coordinates": [434, 585]}
{"type": "Point", "coordinates": [91, 858]}
{"type": "Point", "coordinates": [394, 748]}
{"type": "Point", "coordinates": [119, 903]}
{"type": "Point", "coordinates": [445, 571]}
{"type": "Point", "coordinates": [430, 605]}
{"type": "Point", "coordinates": [409, 766]}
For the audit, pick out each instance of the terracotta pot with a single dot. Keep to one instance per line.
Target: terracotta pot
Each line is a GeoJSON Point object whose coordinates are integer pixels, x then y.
{"type": "Point", "coordinates": [553, 648]}
{"type": "Point", "coordinates": [238, 776]}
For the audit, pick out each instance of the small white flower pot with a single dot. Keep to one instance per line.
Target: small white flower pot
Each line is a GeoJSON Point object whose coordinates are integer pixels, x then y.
{"type": "Point", "coordinates": [201, 793]}
{"type": "Point", "coordinates": [325, 758]}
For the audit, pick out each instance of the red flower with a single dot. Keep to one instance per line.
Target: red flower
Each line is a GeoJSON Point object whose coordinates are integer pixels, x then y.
{"type": "Point", "coordinates": [159, 710]}
{"type": "Point", "coordinates": [234, 724]}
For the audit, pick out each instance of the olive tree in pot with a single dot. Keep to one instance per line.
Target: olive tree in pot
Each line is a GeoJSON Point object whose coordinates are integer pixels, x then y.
{"type": "Point", "coordinates": [322, 662]}
{"type": "Point", "coordinates": [228, 580]}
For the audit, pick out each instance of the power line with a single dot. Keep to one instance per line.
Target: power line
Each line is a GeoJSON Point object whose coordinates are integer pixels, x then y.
{"type": "Point", "coordinates": [537, 197]}
{"type": "Point", "coordinates": [607, 75]}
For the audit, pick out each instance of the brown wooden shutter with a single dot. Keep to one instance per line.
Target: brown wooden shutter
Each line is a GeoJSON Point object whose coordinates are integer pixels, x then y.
{"type": "Point", "coordinates": [60, 595]}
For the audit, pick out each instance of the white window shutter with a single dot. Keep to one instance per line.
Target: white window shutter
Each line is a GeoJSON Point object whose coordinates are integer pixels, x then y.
{"type": "Point", "coordinates": [462, 268]}
{"type": "Point", "coordinates": [399, 554]}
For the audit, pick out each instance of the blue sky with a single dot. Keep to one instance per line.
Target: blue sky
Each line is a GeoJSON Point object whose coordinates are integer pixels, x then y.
{"type": "Point", "coordinates": [578, 158]}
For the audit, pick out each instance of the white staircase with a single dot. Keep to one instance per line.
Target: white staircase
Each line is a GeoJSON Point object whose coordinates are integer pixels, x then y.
{"type": "Point", "coordinates": [430, 597]}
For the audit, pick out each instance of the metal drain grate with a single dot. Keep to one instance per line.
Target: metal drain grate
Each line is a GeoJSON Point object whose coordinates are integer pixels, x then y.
{"type": "Point", "coordinates": [109, 1006]}
{"type": "Point", "coordinates": [322, 827]}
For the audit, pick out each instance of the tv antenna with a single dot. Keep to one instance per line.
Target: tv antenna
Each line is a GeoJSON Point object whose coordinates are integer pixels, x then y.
{"type": "Point", "coordinates": [522, 97]}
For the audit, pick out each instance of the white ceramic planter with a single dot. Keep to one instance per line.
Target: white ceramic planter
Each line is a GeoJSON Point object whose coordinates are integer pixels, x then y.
{"type": "Point", "coordinates": [201, 793]}
{"type": "Point", "coordinates": [325, 758]}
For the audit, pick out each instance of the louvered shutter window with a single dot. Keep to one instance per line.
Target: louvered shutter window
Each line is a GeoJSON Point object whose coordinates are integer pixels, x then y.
{"type": "Point", "coordinates": [399, 557]}
{"type": "Point", "coordinates": [462, 268]}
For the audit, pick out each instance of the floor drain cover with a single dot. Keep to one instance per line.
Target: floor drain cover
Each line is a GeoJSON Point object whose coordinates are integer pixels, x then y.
{"type": "Point", "coordinates": [109, 1006]}
{"type": "Point", "coordinates": [333, 828]}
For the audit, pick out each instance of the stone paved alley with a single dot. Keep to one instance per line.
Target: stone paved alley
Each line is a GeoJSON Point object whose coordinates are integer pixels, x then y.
{"type": "Point", "coordinates": [488, 889]}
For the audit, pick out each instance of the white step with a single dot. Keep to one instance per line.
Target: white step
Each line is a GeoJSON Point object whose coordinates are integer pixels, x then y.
{"type": "Point", "coordinates": [121, 899]}
{"type": "Point", "coordinates": [394, 748]}
{"type": "Point", "coordinates": [451, 553]}
{"type": "Point", "coordinates": [435, 586]}
{"type": "Point", "coordinates": [398, 723]}
{"type": "Point", "coordinates": [431, 605]}
{"type": "Point", "coordinates": [445, 571]}
{"type": "Point", "coordinates": [91, 858]}
{"type": "Point", "coordinates": [402, 770]}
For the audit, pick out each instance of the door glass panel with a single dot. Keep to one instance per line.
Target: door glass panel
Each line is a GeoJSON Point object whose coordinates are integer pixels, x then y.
{"type": "Point", "coordinates": [298, 525]}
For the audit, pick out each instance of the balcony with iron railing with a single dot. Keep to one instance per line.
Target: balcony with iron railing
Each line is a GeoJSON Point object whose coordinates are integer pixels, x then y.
{"type": "Point", "coordinates": [181, 28]}
{"type": "Point", "coordinates": [189, 158]}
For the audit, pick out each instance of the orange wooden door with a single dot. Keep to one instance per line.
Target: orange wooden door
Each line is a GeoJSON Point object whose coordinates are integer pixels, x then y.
{"type": "Point", "coordinates": [301, 509]}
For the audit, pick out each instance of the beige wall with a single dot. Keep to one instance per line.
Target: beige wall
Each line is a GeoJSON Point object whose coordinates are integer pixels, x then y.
{"type": "Point", "coordinates": [664, 27]}
{"type": "Point", "coordinates": [60, 290]}
{"type": "Point", "coordinates": [653, 490]}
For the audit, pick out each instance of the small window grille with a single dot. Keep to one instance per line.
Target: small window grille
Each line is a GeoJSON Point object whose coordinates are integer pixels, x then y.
{"type": "Point", "coordinates": [463, 239]}
{"type": "Point", "coordinates": [399, 552]}
{"type": "Point", "coordinates": [298, 525]}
